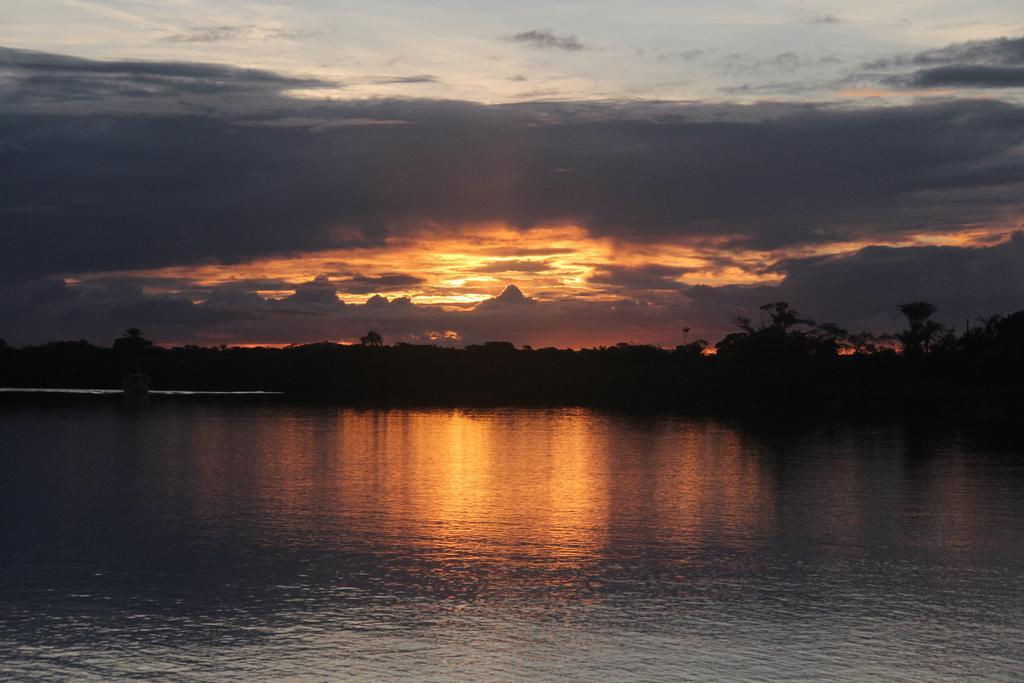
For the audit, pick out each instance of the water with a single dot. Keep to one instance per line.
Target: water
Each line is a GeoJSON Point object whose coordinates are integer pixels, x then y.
{"type": "Point", "coordinates": [227, 541]}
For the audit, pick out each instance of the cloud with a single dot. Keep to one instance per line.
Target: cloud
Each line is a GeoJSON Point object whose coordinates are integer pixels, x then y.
{"type": "Point", "coordinates": [16, 60]}
{"type": "Point", "coordinates": [513, 266]}
{"type": "Point", "coordinates": [526, 251]}
{"type": "Point", "coordinates": [318, 123]}
{"type": "Point", "coordinates": [968, 76]}
{"type": "Point", "coordinates": [996, 52]}
{"type": "Point", "coordinates": [50, 309]}
{"type": "Point", "coordinates": [367, 284]}
{"type": "Point", "coordinates": [510, 298]}
{"type": "Point", "coordinates": [858, 290]}
{"type": "Point", "coordinates": [208, 34]}
{"type": "Point", "coordinates": [547, 40]}
{"type": "Point", "coordinates": [392, 80]}
{"type": "Point", "coordinates": [285, 176]}
{"type": "Point", "coordinates": [647, 278]}
{"type": "Point", "coordinates": [46, 82]}
{"type": "Point", "coordinates": [226, 32]}
{"type": "Point", "coordinates": [679, 55]}
{"type": "Point", "coordinates": [823, 20]}
{"type": "Point", "coordinates": [740, 62]}
{"type": "Point", "coordinates": [997, 63]}
{"type": "Point", "coordinates": [862, 289]}
{"type": "Point", "coordinates": [318, 292]}
{"type": "Point", "coordinates": [153, 158]}
{"type": "Point", "coordinates": [286, 34]}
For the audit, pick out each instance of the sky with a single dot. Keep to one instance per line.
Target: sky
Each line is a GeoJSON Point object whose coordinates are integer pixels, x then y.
{"type": "Point", "coordinates": [549, 173]}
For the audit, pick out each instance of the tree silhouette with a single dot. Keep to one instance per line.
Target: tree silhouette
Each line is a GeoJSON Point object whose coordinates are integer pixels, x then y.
{"type": "Point", "coordinates": [744, 323]}
{"type": "Point", "coordinates": [694, 349]}
{"type": "Point", "coordinates": [918, 312]}
{"type": "Point", "coordinates": [922, 333]}
{"type": "Point", "coordinates": [831, 338]}
{"type": "Point", "coordinates": [867, 343]}
{"type": "Point", "coordinates": [778, 360]}
{"type": "Point", "coordinates": [783, 317]}
{"type": "Point", "coordinates": [372, 338]}
{"type": "Point", "coordinates": [132, 341]}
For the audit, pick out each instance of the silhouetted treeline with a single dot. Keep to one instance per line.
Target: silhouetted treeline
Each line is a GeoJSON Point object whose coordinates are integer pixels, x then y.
{"type": "Point", "coordinates": [784, 360]}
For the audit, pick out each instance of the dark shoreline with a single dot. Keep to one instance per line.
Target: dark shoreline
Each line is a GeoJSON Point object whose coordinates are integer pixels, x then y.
{"type": "Point", "coordinates": [783, 381]}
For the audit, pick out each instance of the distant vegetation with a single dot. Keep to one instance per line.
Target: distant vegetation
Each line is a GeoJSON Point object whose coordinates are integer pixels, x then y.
{"type": "Point", "coordinates": [784, 359]}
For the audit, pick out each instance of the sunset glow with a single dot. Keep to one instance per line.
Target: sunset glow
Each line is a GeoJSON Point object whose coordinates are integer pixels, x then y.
{"type": "Point", "coordinates": [470, 180]}
{"type": "Point", "coordinates": [540, 341]}
{"type": "Point", "coordinates": [548, 263]}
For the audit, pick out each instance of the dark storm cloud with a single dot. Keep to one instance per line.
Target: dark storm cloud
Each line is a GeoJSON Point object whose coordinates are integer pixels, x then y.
{"type": "Point", "coordinates": [85, 189]}
{"type": "Point", "coordinates": [113, 166]}
{"type": "Point", "coordinates": [547, 40]}
{"type": "Point", "coordinates": [651, 277]}
{"type": "Point", "coordinates": [171, 190]}
{"type": "Point", "coordinates": [28, 63]}
{"type": "Point", "coordinates": [969, 76]}
{"type": "Point", "coordinates": [996, 52]}
{"type": "Point", "coordinates": [319, 292]}
{"type": "Point", "coordinates": [995, 63]}
{"type": "Point", "coordinates": [41, 80]}
{"type": "Point", "coordinates": [369, 284]}
{"type": "Point", "coordinates": [863, 289]}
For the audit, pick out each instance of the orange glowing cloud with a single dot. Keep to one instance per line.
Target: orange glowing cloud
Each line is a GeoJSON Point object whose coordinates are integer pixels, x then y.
{"type": "Point", "coordinates": [467, 266]}
{"type": "Point", "coordinates": [462, 267]}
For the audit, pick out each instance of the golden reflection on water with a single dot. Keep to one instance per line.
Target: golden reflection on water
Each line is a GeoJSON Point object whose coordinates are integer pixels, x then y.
{"type": "Point", "coordinates": [512, 488]}
{"type": "Point", "coordinates": [292, 542]}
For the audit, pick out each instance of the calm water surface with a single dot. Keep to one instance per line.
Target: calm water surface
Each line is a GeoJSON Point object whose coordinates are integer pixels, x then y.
{"type": "Point", "coordinates": [202, 541]}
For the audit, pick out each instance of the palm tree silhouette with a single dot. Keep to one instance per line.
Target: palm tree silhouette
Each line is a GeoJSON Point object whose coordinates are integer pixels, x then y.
{"type": "Point", "coordinates": [923, 332]}
{"type": "Point", "coordinates": [132, 341]}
